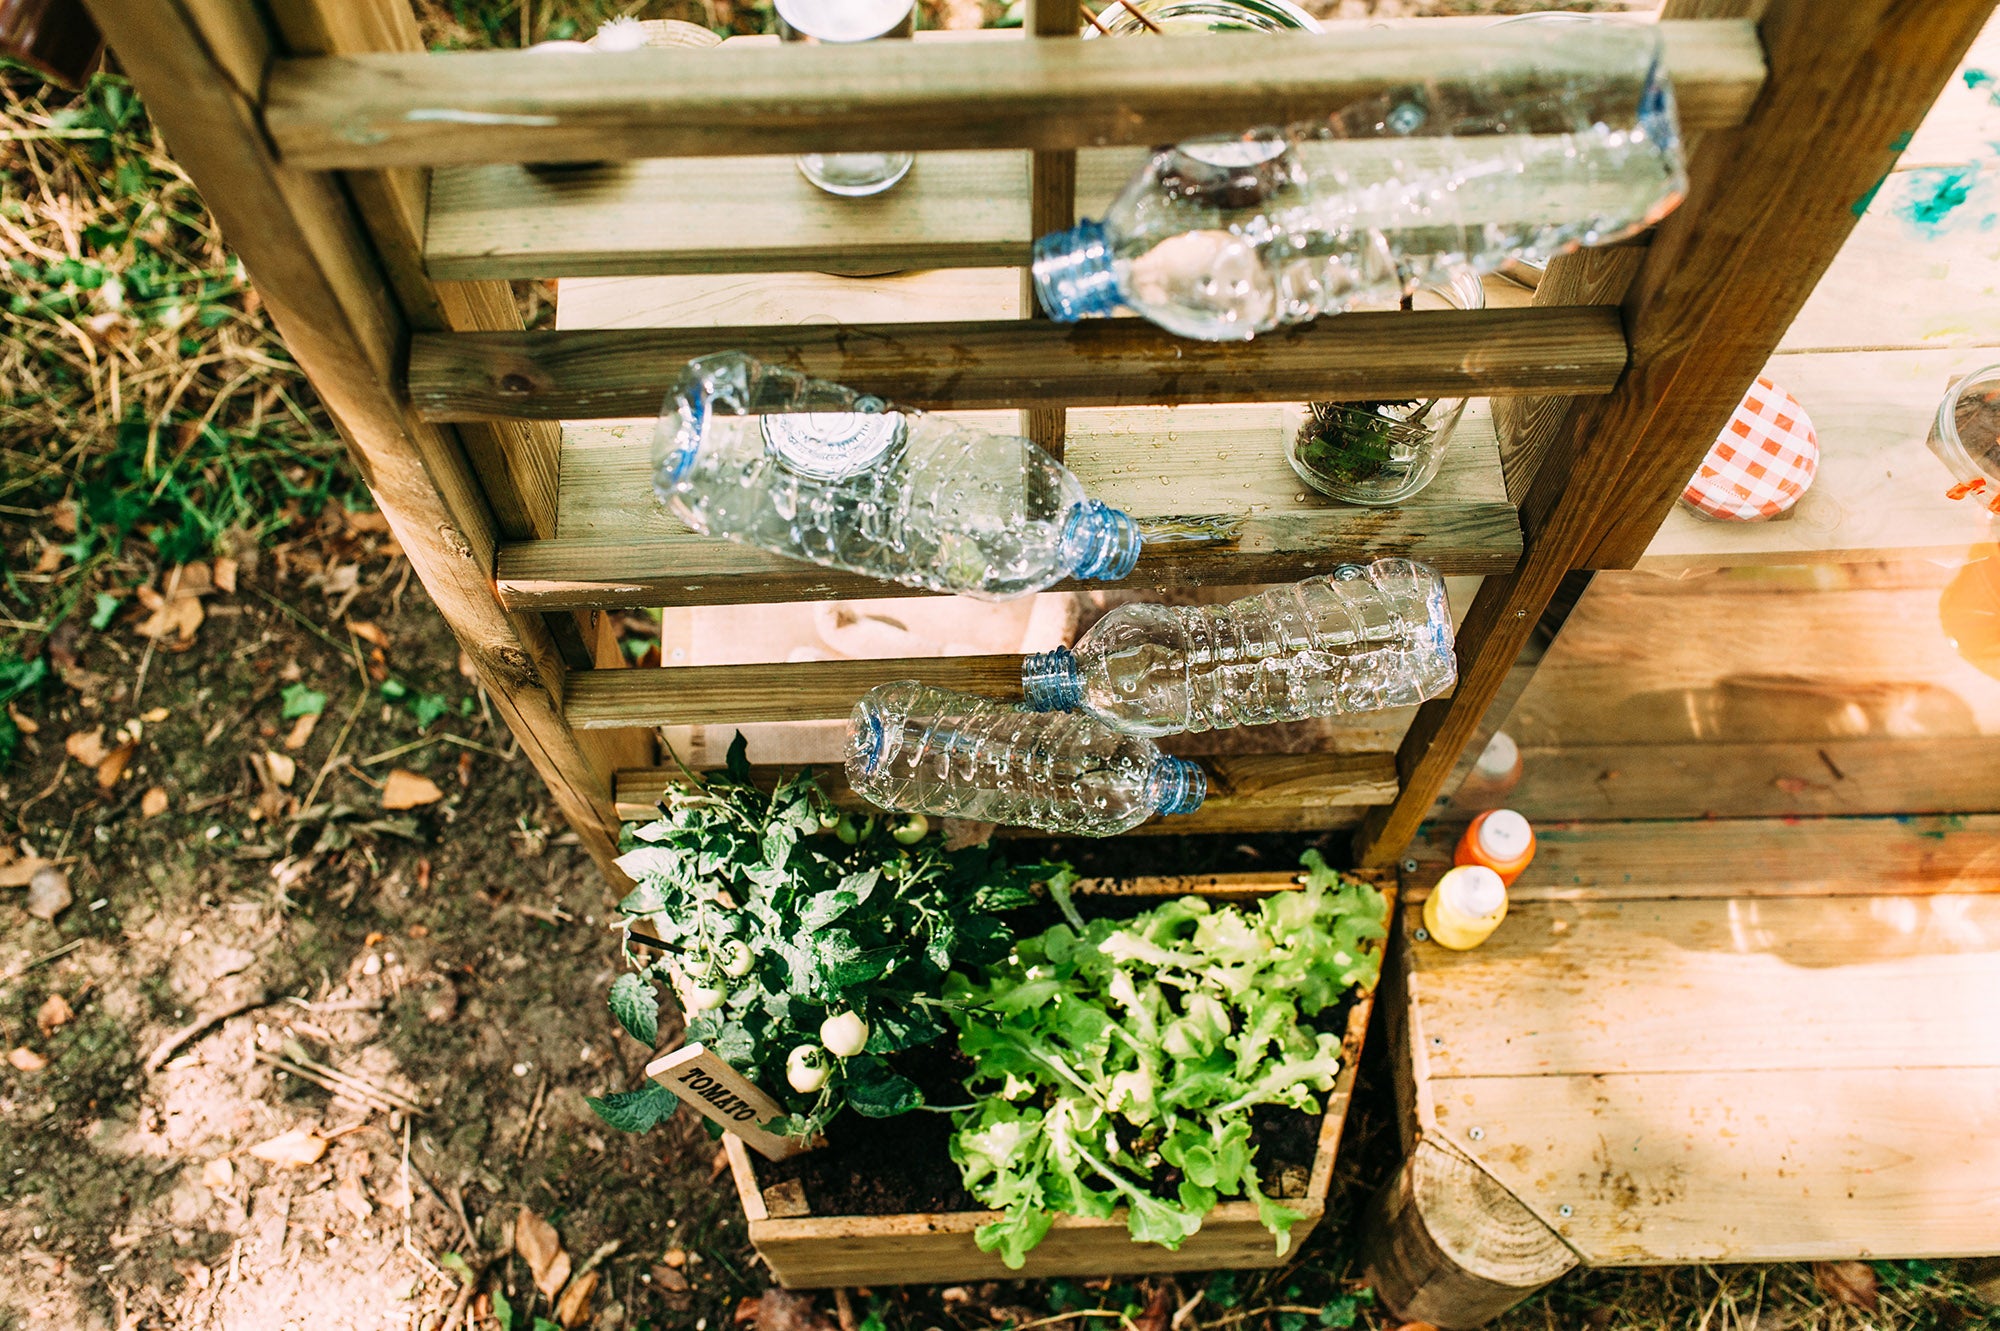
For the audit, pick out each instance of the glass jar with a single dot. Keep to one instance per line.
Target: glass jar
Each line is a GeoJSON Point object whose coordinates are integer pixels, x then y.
{"type": "Point", "coordinates": [1185, 16]}
{"type": "Point", "coordinates": [845, 22]}
{"type": "Point", "coordinates": [1966, 436]}
{"type": "Point", "coordinates": [1382, 453]}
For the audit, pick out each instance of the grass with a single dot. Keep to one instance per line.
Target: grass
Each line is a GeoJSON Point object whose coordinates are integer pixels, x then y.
{"type": "Point", "coordinates": [150, 415]}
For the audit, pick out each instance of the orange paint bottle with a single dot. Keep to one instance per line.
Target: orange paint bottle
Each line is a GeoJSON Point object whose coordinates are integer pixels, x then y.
{"type": "Point", "coordinates": [1501, 840]}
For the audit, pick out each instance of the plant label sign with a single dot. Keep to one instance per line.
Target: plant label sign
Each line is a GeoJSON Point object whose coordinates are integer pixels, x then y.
{"type": "Point", "coordinates": [720, 1093]}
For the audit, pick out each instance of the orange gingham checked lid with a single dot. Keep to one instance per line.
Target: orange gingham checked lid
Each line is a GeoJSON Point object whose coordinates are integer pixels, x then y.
{"type": "Point", "coordinates": [1762, 461]}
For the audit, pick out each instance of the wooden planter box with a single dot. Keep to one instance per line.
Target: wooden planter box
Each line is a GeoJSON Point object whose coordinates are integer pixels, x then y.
{"type": "Point", "coordinates": [806, 1251]}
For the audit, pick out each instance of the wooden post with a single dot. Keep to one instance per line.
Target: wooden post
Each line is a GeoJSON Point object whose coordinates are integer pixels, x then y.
{"type": "Point", "coordinates": [1445, 1244]}
{"type": "Point", "coordinates": [1768, 207]}
{"type": "Point", "coordinates": [200, 65]}
{"type": "Point", "coordinates": [1051, 207]}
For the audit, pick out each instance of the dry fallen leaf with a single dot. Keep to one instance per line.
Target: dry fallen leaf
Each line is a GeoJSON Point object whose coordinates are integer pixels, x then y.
{"type": "Point", "coordinates": [1159, 1309]}
{"type": "Point", "coordinates": [27, 1060]}
{"type": "Point", "coordinates": [48, 893]}
{"type": "Point", "coordinates": [178, 618]}
{"type": "Point", "coordinates": [87, 747]}
{"type": "Point", "coordinates": [225, 575]}
{"type": "Point", "coordinates": [573, 1309]}
{"type": "Point", "coordinates": [283, 768]}
{"type": "Point", "coordinates": [675, 1257]}
{"type": "Point", "coordinates": [218, 1175]}
{"type": "Point", "coordinates": [27, 725]}
{"type": "Point", "coordinates": [369, 633]}
{"type": "Point", "coordinates": [785, 1310]}
{"type": "Point", "coordinates": [153, 803]}
{"type": "Point", "coordinates": [302, 730]}
{"type": "Point", "coordinates": [113, 767]}
{"type": "Point", "coordinates": [665, 1277]}
{"type": "Point", "coordinates": [407, 790]}
{"type": "Point", "coordinates": [541, 1248]}
{"type": "Point", "coordinates": [353, 1199]}
{"type": "Point", "coordinates": [152, 716]}
{"type": "Point", "coordinates": [291, 1150]}
{"type": "Point", "coordinates": [21, 872]}
{"type": "Point", "coordinates": [54, 1014]}
{"type": "Point", "coordinates": [1851, 1283]}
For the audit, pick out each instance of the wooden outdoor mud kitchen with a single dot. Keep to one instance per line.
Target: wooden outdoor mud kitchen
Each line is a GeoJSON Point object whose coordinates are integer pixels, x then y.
{"type": "Point", "coordinates": [375, 195]}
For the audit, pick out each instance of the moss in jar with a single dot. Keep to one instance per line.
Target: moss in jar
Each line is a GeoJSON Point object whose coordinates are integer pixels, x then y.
{"type": "Point", "coordinates": [1347, 443]}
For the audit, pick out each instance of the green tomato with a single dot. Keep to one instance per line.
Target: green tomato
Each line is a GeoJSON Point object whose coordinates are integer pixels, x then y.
{"type": "Point", "coordinates": [912, 829]}
{"type": "Point", "coordinates": [703, 997]}
{"type": "Point", "coordinates": [844, 1034]}
{"type": "Point", "coordinates": [846, 830]}
{"type": "Point", "coordinates": [735, 959]}
{"type": "Point", "coordinates": [806, 1068]}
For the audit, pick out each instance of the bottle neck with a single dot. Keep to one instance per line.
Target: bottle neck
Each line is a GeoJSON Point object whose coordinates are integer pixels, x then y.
{"type": "Point", "coordinates": [1178, 785]}
{"type": "Point", "coordinates": [1050, 682]}
{"type": "Point", "coordinates": [1075, 275]}
{"type": "Point", "coordinates": [1099, 542]}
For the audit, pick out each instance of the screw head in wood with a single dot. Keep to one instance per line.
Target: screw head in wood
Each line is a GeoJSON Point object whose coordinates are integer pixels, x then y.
{"type": "Point", "coordinates": [1565, 1210]}
{"type": "Point", "coordinates": [1409, 866]}
{"type": "Point", "coordinates": [1477, 1134]}
{"type": "Point", "coordinates": [1423, 935]}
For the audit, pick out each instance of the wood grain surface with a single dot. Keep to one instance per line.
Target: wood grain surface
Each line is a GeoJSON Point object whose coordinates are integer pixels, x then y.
{"type": "Point", "coordinates": [507, 106]}
{"type": "Point", "coordinates": [970, 365]}
{"type": "Point", "coordinates": [1222, 467]}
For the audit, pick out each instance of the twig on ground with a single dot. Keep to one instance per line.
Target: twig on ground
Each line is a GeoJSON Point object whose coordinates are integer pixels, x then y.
{"type": "Point", "coordinates": [199, 1025]}
{"type": "Point", "coordinates": [339, 743]}
{"type": "Point", "coordinates": [297, 1055]}
{"type": "Point", "coordinates": [360, 1097]}
{"type": "Point", "coordinates": [534, 1112]}
{"type": "Point", "coordinates": [43, 960]}
{"type": "Point", "coordinates": [843, 1305]}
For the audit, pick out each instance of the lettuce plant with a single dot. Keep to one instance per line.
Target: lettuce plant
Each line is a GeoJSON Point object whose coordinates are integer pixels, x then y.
{"type": "Point", "coordinates": [792, 933]}
{"type": "Point", "coordinates": [1116, 1064]}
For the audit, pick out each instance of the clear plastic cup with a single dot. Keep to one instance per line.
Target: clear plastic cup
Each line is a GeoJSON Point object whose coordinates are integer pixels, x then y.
{"type": "Point", "coordinates": [1382, 452]}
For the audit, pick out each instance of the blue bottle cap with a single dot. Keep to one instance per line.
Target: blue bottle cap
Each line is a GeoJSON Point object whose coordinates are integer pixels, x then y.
{"type": "Point", "coordinates": [1050, 682]}
{"type": "Point", "coordinates": [1100, 542]}
{"type": "Point", "coordinates": [1074, 276]}
{"type": "Point", "coordinates": [1179, 785]}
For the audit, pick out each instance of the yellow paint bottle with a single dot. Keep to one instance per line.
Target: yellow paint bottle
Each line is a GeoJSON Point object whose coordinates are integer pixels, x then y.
{"type": "Point", "coordinates": [1465, 907]}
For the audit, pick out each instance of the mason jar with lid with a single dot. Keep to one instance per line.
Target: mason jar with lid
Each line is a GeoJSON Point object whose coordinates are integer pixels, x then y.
{"type": "Point", "coordinates": [1966, 437]}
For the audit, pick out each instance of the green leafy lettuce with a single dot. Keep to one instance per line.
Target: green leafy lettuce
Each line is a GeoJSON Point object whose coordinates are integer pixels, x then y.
{"type": "Point", "coordinates": [1118, 1065]}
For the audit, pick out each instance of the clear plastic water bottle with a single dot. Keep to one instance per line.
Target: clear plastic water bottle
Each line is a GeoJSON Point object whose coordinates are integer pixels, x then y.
{"type": "Point", "coordinates": [815, 471]}
{"type": "Point", "coordinates": [920, 749]}
{"type": "Point", "coordinates": [1355, 640]}
{"type": "Point", "coordinates": [1224, 238]}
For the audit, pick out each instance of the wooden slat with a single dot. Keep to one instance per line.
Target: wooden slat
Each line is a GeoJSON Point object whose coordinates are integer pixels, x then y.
{"type": "Point", "coordinates": [1879, 492]}
{"type": "Point", "coordinates": [787, 691]}
{"type": "Point", "coordinates": [753, 214]}
{"type": "Point", "coordinates": [617, 547]}
{"type": "Point", "coordinates": [512, 106]}
{"type": "Point", "coordinates": [1247, 793]}
{"type": "Point", "coordinates": [330, 296]}
{"type": "Point", "coordinates": [1717, 779]}
{"type": "Point", "coordinates": [1722, 279]}
{"type": "Point", "coordinates": [1741, 857]}
{"type": "Point", "coordinates": [595, 374]}
{"type": "Point", "coordinates": [1747, 985]}
{"type": "Point", "coordinates": [1745, 1166]}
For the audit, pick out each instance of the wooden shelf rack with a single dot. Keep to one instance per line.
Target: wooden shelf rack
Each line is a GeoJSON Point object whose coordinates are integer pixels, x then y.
{"type": "Point", "coordinates": [374, 193]}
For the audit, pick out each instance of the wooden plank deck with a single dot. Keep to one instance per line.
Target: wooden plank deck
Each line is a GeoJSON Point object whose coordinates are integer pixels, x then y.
{"type": "Point", "coordinates": [1696, 1062]}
